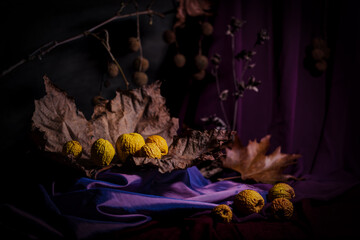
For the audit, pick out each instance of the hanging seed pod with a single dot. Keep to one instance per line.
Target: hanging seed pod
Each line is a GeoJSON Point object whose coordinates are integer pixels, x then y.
{"type": "Point", "coordinates": [317, 54]}
{"type": "Point", "coordinates": [113, 69]}
{"type": "Point", "coordinates": [199, 75]}
{"type": "Point", "coordinates": [140, 78]}
{"type": "Point", "coordinates": [141, 64]}
{"type": "Point", "coordinates": [321, 65]}
{"type": "Point", "coordinates": [207, 28]}
{"type": "Point", "coordinates": [169, 36]}
{"type": "Point", "coordinates": [134, 44]}
{"type": "Point", "coordinates": [201, 62]}
{"type": "Point", "coordinates": [179, 60]}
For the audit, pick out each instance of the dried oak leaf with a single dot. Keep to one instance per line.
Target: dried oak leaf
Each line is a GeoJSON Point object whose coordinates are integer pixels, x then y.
{"type": "Point", "coordinates": [188, 149]}
{"type": "Point", "coordinates": [253, 163]}
{"type": "Point", "coordinates": [57, 120]}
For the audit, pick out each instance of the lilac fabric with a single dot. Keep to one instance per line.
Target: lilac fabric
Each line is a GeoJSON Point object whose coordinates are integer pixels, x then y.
{"type": "Point", "coordinates": [117, 200]}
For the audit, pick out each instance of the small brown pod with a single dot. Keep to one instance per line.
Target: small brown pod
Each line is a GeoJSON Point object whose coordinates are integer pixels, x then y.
{"type": "Point", "coordinates": [141, 64]}
{"type": "Point", "coordinates": [169, 36]}
{"type": "Point", "coordinates": [201, 62]}
{"type": "Point", "coordinates": [113, 69]}
{"type": "Point", "coordinates": [134, 44]}
{"type": "Point", "coordinates": [140, 78]}
{"type": "Point", "coordinates": [207, 28]}
{"type": "Point", "coordinates": [179, 60]}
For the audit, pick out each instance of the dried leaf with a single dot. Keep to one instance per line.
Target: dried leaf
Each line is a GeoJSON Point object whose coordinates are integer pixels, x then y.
{"type": "Point", "coordinates": [142, 110]}
{"type": "Point", "coordinates": [188, 149]}
{"type": "Point", "coordinates": [253, 163]}
{"type": "Point", "coordinates": [192, 8]}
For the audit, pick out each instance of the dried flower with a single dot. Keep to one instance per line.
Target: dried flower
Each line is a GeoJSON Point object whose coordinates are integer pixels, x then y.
{"type": "Point", "coordinates": [234, 25]}
{"type": "Point", "coordinates": [262, 37]}
{"type": "Point", "coordinates": [213, 119]}
{"type": "Point", "coordinates": [224, 95]}
{"type": "Point", "coordinates": [253, 84]}
{"type": "Point", "coordinates": [245, 55]}
{"type": "Point", "coordinates": [216, 59]}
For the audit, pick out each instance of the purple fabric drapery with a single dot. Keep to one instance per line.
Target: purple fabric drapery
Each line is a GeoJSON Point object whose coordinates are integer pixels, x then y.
{"type": "Point", "coordinates": [315, 116]}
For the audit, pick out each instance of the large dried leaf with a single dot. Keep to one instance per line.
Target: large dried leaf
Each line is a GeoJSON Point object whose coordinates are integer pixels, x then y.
{"type": "Point", "coordinates": [190, 148]}
{"type": "Point", "coordinates": [58, 120]}
{"type": "Point", "coordinates": [253, 163]}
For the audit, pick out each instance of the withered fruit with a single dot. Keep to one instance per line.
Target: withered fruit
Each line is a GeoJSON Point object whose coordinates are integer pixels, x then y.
{"type": "Point", "coordinates": [129, 144]}
{"type": "Point", "coordinates": [134, 44]}
{"type": "Point", "coordinates": [72, 148]}
{"type": "Point", "coordinates": [113, 69]}
{"type": "Point", "coordinates": [201, 62]}
{"type": "Point", "coordinates": [222, 213]}
{"type": "Point", "coordinates": [160, 142]}
{"type": "Point", "coordinates": [199, 75]}
{"type": "Point", "coordinates": [179, 60]}
{"type": "Point", "coordinates": [141, 64]}
{"type": "Point", "coordinates": [281, 190]}
{"type": "Point", "coordinates": [248, 201]}
{"type": "Point", "coordinates": [282, 208]}
{"type": "Point", "coordinates": [207, 28]}
{"type": "Point", "coordinates": [102, 152]}
{"type": "Point", "coordinates": [150, 150]}
{"type": "Point", "coordinates": [169, 36]}
{"type": "Point", "coordinates": [140, 78]}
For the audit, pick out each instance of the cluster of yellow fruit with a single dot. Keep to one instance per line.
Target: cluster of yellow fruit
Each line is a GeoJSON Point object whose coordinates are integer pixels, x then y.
{"type": "Point", "coordinates": [127, 144]}
{"type": "Point", "coordinates": [249, 201]}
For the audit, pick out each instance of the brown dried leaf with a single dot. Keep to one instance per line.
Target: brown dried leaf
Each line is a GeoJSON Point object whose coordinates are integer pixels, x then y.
{"type": "Point", "coordinates": [142, 110]}
{"type": "Point", "coordinates": [253, 163]}
{"type": "Point", "coordinates": [188, 149]}
{"type": "Point", "coordinates": [192, 8]}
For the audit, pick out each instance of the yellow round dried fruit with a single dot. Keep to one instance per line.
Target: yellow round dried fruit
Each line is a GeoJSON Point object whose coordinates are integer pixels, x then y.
{"type": "Point", "coordinates": [160, 142]}
{"type": "Point", "coordinates": [150, 150]}
{"type": "Point", "coordinates": [282, 208]}
{"type": "Point", "coordinates": [281, 190]}
{"type": "Point", "coordinates": [248, 201]}
{"type": "Point", "coordinates": [72, 148]}
{"type": "Point", "coordinates": [129, 144]}
{"type": "Point", "coordinates": [222, 213]}
{"type": "Point", "coordinates": [102, 152]}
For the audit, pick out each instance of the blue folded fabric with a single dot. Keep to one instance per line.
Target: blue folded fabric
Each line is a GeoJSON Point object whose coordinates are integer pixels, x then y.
{"type": "Point", "coordinates": [117, 200]}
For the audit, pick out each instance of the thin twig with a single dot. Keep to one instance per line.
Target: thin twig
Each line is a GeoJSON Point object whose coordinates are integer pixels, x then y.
{"type": "Point", "coordinates": [105, 43]}
{"type": "Point", "coordinates": [43, 50]}
{"type": "Point", "coordinates": [234, 80]}
{"type": "Point", "coordinates": [216, 73]}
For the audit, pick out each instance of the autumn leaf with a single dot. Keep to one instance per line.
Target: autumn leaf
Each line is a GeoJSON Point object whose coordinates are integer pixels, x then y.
{"type": "Point", "coordinates": [57, 120]}
{"type": "Point", "coordinates": [188, 149]}
{"type": "Point", "coordinates": [253, 163]}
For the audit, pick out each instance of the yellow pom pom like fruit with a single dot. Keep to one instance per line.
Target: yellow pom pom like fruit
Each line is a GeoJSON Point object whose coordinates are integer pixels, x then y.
{"type": "Point", "coordinates": [134, 44]}
{"type": "Point", "coordinates": [160, 142]}
{"type": "Point", "coordinates": [282, 208]}
{"type": "Point", "coordinates": [140, 78]}
{"type": "Point", "coordinates": [281, 190]}
{"type": "Point", "coordinates": [150, 150]}
{"type": "Point", "coordinates": [201, 62]}
{"type": "Point", "coordinates": [222, 213]}
{"type": "Point", "coordinates": [102, 152]}
{"type": "Point", "coordinates": [248, 201]}
{"type": "Point", "coordinates": [129, 144]}
{"type": "Point", "coordinates": [72, 148]}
